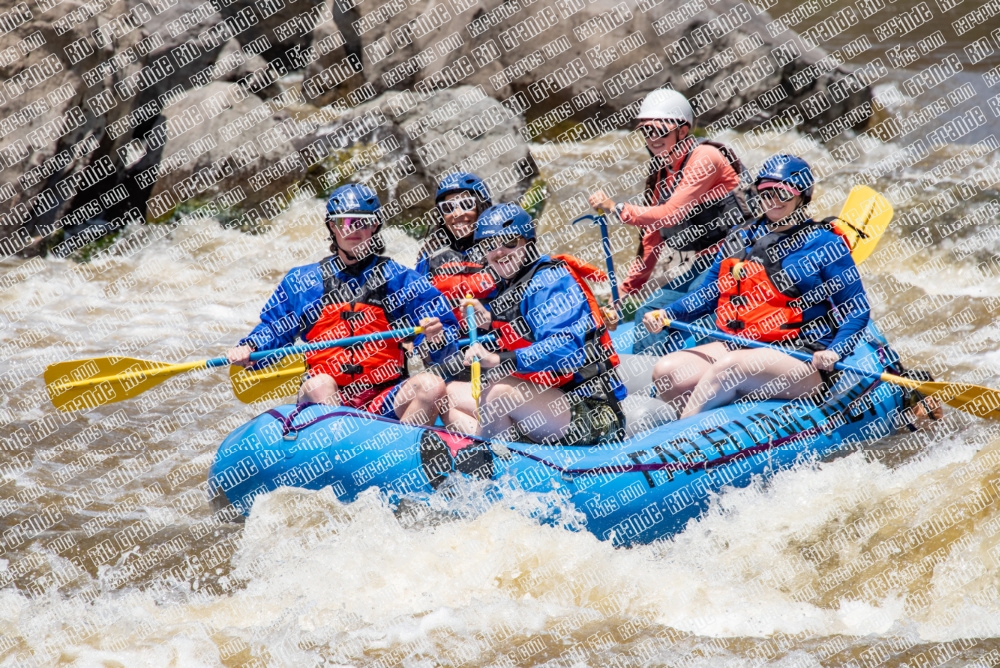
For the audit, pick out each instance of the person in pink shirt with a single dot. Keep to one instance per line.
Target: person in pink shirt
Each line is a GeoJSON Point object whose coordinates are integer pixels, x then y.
{"type": "Point", "coordinates": [693, 197]}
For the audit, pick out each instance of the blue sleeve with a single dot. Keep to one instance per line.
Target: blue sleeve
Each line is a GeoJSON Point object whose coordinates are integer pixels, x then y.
{"type": "Point", "coordinates": [412, 298]}
{"type": "Point", "coordinates": [279, 319]}
{"type": "Point", "coordinates": [700, 302]}
{"type": "Point", "coordinates": [560, 318]}
{"type": "Point", "coordinates": [851, 310]}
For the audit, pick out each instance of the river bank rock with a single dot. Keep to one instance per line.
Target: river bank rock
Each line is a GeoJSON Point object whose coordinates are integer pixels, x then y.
{"type": "Point", "coordinates": [82, 82]}
{"type": "Point", "coordinates": [224, 141]}
{"type": "Point", "coordinates": [569, 58]}
{"type": "Point", "coordinates": [57, 99]}
{"type": "Point", "coordinates": [287, 26]}
{"type": "Point", "coordinates": [455, 129]}
{"type": "Point", "coordinates": [109, 109]}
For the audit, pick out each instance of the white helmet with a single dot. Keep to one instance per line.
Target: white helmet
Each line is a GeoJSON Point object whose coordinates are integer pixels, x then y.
{"type": "Point", "coordinates": [666, 104]}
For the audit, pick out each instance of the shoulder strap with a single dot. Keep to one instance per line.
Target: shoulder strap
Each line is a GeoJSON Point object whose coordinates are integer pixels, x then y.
{"type": "Point", "coordinates": [514, 293]}
{"type": "Point", "coordinates": [585, 269]}
{"type": "Point", "coordinates": [376, 276]}
{"type": "Point", "coordinates": [728, 153]}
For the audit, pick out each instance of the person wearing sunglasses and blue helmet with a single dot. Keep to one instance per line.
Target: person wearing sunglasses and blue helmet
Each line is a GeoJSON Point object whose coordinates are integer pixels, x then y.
{"type": "Point", "coordinates": [357, 291]}
{"type": "Point", "coordinates": [550, 370]}
{"type": "Point", "coordinates": [449, 258]}
{"type": "Point", "coordinates": [783, 278]}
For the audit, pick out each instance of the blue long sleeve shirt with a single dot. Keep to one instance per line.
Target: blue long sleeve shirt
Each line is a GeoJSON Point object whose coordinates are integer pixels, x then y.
{"type": "Point", "coordinates": [409, 298]}
{"type": "Point", "coordinates": [818, 267]}
{"type": "Point", "coordinates": [559, 317]}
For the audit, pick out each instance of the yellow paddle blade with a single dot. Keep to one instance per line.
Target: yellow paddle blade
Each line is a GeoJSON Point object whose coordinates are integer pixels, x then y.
{"type": "Point", "coordinates": [983, 402]}
{"type": "Point", "coordinates": [281, 379]}
{"type": "Point", "coordinates": [864, 219]}
{"type": "Point", "coordinates": [84, 384]}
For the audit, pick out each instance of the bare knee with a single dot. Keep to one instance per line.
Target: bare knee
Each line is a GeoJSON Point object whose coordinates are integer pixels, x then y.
{"type": "Point", "coordinates": [726, 361]}
{"type": "Point", "coordinates": [320, 389]}
{"type": "Point", "coordinates": [672, 373]}
{"type": "Point", "coordinates": [499, 390]}
{"type": "Point", "coordinates": [662, 368]}
{"type": "Point", "coordinates": [455, 392]}
{"type": "Point", "coordinates": [428, 386]}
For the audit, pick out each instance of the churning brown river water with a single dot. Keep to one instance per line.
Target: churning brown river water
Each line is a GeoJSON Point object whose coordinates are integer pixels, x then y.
{"type": "Point", "coordinates": [113, 558]}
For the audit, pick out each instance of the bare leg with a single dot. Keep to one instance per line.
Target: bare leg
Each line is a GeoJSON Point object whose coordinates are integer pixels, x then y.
{"type": "Point", "coordinates": [418, 400]}
{"type": "Point", "coordinates": [676, 375]}
{"type": "Point", "coordinates": [320, 389]}
{"type": "Point", "coordinates": [461, 413]}
{"type": "Point", "coordinates": [539, 412]}
{"type": "Point", "coordinates": [741, 372]}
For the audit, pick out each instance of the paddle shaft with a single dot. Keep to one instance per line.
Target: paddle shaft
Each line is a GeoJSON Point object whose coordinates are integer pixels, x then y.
{"type": "Point", "coordinates": [608, 257]}
{"type": "Point", "coordinates": [321, 345]}
{"type": "Point", "coordinates": [470, 320]}
{"type": "Point", "coordinates": [485, 338]}
{"type": "Point", "coordinates": [750, 343]}
{"type": "Point", "coordinates": [174, 369]}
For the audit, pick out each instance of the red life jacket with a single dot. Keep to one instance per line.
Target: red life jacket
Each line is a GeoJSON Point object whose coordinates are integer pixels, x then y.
{"type": "Point", "coordinates": [351, 310]}
{"type": "Point", "coordinates": [455, 275]}
{"type": "Point", "coordinates": [514, 333]}
{"type": "Point", "coordinates": [756, 299]}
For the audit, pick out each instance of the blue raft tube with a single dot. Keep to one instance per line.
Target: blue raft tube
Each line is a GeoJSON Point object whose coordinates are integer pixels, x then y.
{"type": "Point", "coordinates": [643, 488]}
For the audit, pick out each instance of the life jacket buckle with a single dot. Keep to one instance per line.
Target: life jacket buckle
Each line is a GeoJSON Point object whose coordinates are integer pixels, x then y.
{"type": "Point", "coordinates": [736, 325]}
{"type": "Point", "coordinates": [351, 369]}
{"type": "Point", "coordinates": [738, 300]}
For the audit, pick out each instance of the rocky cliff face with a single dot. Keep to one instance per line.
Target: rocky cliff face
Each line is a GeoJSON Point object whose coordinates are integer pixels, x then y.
{"type": "Point", "coordinates": [596, 58]}
{"type": "Point", "coordinates": [119, 111]}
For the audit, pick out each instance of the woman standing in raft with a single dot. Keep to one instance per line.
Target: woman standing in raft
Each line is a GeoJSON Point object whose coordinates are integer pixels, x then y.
{"type": "Point", "coordinates": [691, 201]}
{"type": "Point", "coordinates": [550, 338]}
{"type": "Point", "coordinates": [783, 278]}
{"type": "Point", "coordinates": [357, 291]}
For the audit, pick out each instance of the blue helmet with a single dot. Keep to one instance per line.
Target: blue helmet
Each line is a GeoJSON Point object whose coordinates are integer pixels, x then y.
{"type": "Point", "coordinates": [788, 169]}
{"type": "Point", "coordinates": [505, 220]}
{"type": "Point", "coordinates": [462, 181]}
{"type": "Point", "coordinates": [353, 199]}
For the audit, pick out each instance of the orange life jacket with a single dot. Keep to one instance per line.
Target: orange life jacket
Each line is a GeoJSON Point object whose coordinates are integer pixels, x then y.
{"type": "Point", "coordinates": [513, 332]}
{"type": "Point", "coordinates": [352, 310]}
{"type": "Point", "coordinates": [752, 304]}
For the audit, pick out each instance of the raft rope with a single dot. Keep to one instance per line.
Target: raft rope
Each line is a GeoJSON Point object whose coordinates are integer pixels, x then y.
{"type": "Point", "coordinates": [288, 427]}
{"type": "Point", "coordinates": [689, 466]}
{"type": "Point", "coordinates": [287, 422]}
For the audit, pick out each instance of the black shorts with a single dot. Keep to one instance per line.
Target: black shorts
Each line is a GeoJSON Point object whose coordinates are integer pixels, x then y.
{"type": "Point", "coordinates": [592, 421]}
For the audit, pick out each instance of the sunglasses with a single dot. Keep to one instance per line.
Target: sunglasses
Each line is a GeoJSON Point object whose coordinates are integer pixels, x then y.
{"type": "Point", "coordinates": [351, 224]}
{"type": "Point", "coordinates": [771, 196]}
{"type": "Point", "coordinates": [460, 205]}
{"type": "Point", "coordinates": [510, 243]}
{"type": "Point", "coordinates": [655, 131]}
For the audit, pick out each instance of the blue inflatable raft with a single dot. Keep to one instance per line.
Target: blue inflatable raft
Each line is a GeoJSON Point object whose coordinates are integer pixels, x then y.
{"type": "Point", "coordinates": [636, 491]}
